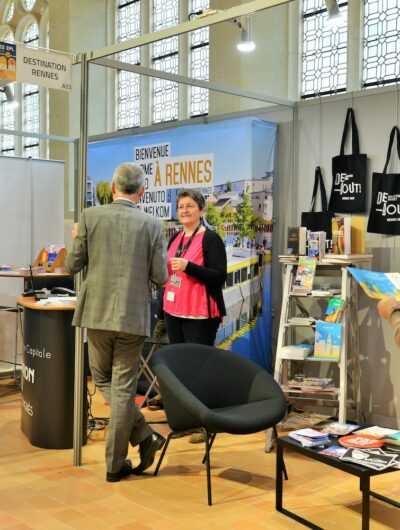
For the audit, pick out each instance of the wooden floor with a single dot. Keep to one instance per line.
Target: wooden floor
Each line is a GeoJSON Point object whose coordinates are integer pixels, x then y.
{"type": "Point", "coordinates": [41, 489]}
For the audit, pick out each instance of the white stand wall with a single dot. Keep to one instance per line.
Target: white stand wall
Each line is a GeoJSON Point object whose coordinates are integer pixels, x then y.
{"type": "Point", "coordinates": [313, 140]}
{"type": "Point", "coordinates": [31, 208]}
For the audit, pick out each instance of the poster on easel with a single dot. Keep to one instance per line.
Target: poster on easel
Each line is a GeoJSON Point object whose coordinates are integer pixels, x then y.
{"type": "Point", "coordinates": [232, 163]}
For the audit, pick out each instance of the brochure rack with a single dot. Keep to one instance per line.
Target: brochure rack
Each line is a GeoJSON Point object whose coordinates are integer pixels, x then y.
{"type": "Point", "coordinates": [51, 262]}
{"type": "Point", "coordinates": [348, 364]}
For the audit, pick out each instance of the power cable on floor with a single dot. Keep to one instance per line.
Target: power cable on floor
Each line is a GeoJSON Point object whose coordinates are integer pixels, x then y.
{"type": "Point", "coordinates": [94, 423]}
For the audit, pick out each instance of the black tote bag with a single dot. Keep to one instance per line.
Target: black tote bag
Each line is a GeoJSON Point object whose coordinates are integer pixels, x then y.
{"type": "Point", "coordinates": [348, 193]}
{"type": "Point", "coordinates": [384, 215]}
{"type": "Point", "coordinates": [318, 221]}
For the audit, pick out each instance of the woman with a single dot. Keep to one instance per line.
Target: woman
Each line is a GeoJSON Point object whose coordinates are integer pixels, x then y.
{"type": "Point", "coordinates": [193, 302]}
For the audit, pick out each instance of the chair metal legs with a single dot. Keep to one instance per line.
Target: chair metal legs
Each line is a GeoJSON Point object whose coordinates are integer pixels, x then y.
{"type": "Point", "coordinates": [212, 438]}
{"type": "Point", "coordinates": [209, 441]}
{"type": "Point", "coordinates": [283, 462]}
{"type": "Point", "coordinates": [163, 452]}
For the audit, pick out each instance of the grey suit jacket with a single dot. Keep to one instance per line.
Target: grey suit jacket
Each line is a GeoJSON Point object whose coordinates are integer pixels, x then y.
{"type": "Point", "coordinates": [123, 250]}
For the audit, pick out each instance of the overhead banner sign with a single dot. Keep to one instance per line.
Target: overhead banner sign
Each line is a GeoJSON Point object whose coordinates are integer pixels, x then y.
{"type": "Point", "coordinates": [7, 62]}
{"type": "Point", "coordinates": [41, 67]}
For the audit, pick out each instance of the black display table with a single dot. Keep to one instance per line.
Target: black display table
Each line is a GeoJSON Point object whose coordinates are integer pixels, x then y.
{"type": "Point", "coordinates": [362, 472]}
{"type": "Point", "coordinates": [47, 412]}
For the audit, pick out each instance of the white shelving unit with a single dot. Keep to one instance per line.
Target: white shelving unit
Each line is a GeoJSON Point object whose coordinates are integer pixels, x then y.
{"type": "Point", "coordinates": [349, 362]}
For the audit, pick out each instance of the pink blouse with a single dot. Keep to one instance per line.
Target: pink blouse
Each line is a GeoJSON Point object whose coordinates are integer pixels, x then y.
{"type": "Point", "coordinates": [189, 300]}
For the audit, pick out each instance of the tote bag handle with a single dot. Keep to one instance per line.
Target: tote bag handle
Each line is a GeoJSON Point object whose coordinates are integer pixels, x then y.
{"type": "Point", "coordinates": [319, 180]}
{"type": "Point", "coordinates": [355, 142]}
{"type": "Point", "coordinates": [392, 133]}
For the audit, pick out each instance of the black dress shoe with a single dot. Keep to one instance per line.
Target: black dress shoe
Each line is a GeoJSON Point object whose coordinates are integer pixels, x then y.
{"type": "Point", "coordinates": [147, 450]}
{"type": "Point", "coordinates": [124, 472]}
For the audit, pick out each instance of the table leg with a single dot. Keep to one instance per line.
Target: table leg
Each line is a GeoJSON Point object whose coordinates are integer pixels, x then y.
{"type": "Point", "coordinates": [364, 486]}
{"type": "Point", "coordinates": [279, 471]}
{"type": "Point", "coordinates": [280, 467]}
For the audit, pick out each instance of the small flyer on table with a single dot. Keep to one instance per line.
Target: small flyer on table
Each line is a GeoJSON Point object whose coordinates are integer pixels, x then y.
{"type": "Point", "coordinates": [369, 459]}
{"type": "Point", "coordinates": [378, 432]}
{"type": "Point", "coordinates": [334, 450]}
{"type": "Point", "coordinates": [337, 428]}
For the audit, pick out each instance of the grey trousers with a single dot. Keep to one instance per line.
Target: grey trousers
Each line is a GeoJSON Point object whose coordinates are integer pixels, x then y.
{"type": "Point", "coordinates": [114, 359]}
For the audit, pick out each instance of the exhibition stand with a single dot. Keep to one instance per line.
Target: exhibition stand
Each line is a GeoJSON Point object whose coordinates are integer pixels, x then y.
{"type": "Point", "coordinates": [47, 413]}
{"type": "Point", "coordinates": [106, 57]}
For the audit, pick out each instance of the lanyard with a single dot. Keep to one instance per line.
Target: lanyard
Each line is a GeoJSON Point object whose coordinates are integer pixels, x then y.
{"type": "Point", "coordinates": [182, 248]}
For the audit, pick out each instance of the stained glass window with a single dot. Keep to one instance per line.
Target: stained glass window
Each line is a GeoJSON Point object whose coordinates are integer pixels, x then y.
{"type": "Point", "coordinates": [31, 110]}
{"type": "Point", "coordinates": [9, 11]}
{"type": "Point", "coordinates": [200, 48]}
{"type": "Point", "coordinates": [381, 57]}
{"type": "Point", "coordinates": [324, 54]}
{"type": "Point", "coordinates": [28, 4]}
{"type": "Point", "coordinates": [7, 122]}
{"type": "Point", "coordinates": [7, 115]}
{"type": "Point", "coordinates": [128, 104]}
{"type": "Point", "coordinates": [165, 58]}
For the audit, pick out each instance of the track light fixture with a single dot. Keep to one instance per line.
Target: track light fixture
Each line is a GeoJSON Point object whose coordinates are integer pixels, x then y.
{"type": "Point", "coordinates": [246, 44]}
{"type": "Point", "coordinates": [334, 18]}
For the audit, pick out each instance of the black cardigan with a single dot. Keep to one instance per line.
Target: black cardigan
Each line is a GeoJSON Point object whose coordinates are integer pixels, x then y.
{"type": "Point", "coordinates": [213, 273]}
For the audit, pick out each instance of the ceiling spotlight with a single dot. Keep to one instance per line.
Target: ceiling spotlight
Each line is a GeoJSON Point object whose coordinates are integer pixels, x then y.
{"type": "Point", "coordinates": [246, 44]}
{"type": "Point", "coordinates": [334, 18]}
{"type": "Point", "coordinates": [10, 96]}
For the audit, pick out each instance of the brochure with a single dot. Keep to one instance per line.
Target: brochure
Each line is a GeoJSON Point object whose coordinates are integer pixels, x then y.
{"type": "Point", "coordinates": [296, 351]}
{"type": "Point", "coordinates": [309, 383]}
{"type": "Point", "coordinates": [316, 245]}
{"type": "Point", "coordinates": [305, 274]}
{"type": "Point", "coordinates": [309, 437]}
{"type": "Point", "coordinates": [334, 450]}
{"type": "Point", "coordinates": [369, 459]}
{"type": "Point", "coordinates": [334, 310]}
{"type": "Point", "coordinates": [341, 235]}
{"type": "Point", "coordinates": [337, 428]}
{"type": "Point", "coordinates": [378, 285]}
{"type": "Point", "coordinates": [299, 420]}
{"type": "Point", "coordinates": [296, 240]}
{"type": "Point", "coordinates": [328, 336]}
{"type": "Point", "coordinates": [379, 432]}
{"type": "Point", "coordinates": [393, 439]}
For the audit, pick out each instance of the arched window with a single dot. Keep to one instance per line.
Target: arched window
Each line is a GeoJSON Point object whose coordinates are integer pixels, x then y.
{"type": "Point", "coordinates": [165, 58]}
{"type": "Point", "coordinates": [7, 114]}
{"type": "Point", "coordinates": [381, 60]}
{"type": "Point", "coordinates": [9, 11]}
{"type": "Point", "coordinates": [199, 61]}
{"type": "Point", "coordinates": [324, 57]}
{"type": "Point", "coordinates": [135, 92]}
{"type": "Point", "coordinates": [28, 4]}
{"type": "Point", "coordinates": [31, 108]}
{"type": "Point", "coordinates": [128, 83]}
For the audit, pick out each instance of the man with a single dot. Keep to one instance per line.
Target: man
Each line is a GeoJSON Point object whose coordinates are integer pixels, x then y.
{"type": "Point", "coordinates": [122, 249]}
{"type": "Point", "coordinates": [390, 310]}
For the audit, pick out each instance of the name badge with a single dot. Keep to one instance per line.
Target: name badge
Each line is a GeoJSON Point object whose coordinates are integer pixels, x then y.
{"type": "Point", "coordinates": [170, 296]}
{"type": "Point", "coordinates": [175, 280]}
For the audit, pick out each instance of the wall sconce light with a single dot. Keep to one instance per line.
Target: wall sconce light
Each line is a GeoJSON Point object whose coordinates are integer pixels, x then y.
{"type": "Point", "coordinates": [10, 97]}
{"type": "Point", "coordinates": [246, 44]}
{"type": "Point", "coordinates": [334, 18]}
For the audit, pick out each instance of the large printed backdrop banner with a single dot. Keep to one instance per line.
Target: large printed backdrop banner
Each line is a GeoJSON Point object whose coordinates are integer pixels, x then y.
{"type": "Point", "coordinates": [232, 163]}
